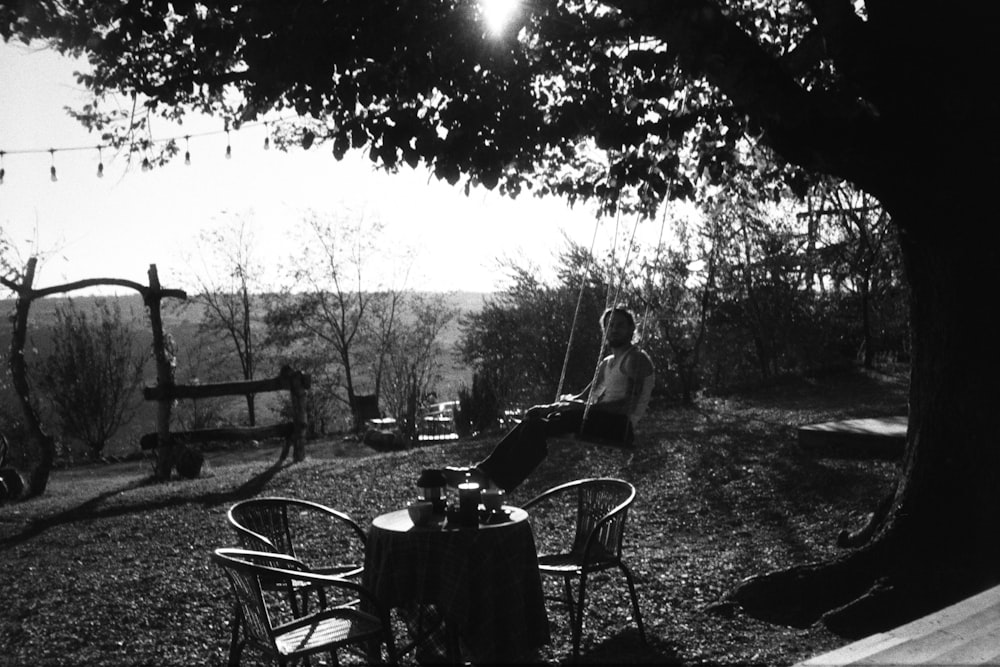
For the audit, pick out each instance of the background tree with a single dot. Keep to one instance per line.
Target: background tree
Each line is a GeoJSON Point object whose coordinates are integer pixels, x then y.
{"type": "Point", "coordinates": [414, 358]}
{"type": "Point", "coordinates": [518, 341]}
{"type": "Point", "coordinates": [861, 253]}
{"type": "Point", "coordinates": [680, 302]}
{"type": "Point", "coordinates": [330, 309]}
{"type": "Point", "coordinates": [92, 376]}
{"type": "Point", "coordinates": [229, 295]}
{"type": "Point", "coordinates": [893, 97]}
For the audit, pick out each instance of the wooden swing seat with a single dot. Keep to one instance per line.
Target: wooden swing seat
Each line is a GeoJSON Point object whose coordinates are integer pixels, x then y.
{"type": "Point", "coordinates": [607, 429]}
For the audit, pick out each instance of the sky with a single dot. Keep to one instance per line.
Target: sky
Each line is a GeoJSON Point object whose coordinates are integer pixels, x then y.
{"type": "Point", "coordinates": [115, 226]}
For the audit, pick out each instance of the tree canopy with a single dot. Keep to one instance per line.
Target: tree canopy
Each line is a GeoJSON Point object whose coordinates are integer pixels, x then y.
{"type": "Point", "coordinates": [850, 89]}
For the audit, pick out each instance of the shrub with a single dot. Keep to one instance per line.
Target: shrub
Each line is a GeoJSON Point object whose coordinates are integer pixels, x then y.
{"type": "Point", "coordinates": [189, 462]}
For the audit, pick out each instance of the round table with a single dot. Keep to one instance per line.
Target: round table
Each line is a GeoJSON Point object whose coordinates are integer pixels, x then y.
{"type": "Point", "coordinates": [483, 580]}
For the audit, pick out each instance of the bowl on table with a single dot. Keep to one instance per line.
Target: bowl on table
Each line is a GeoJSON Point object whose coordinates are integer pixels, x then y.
{"type": "Point", "coordinates": [421, 512]}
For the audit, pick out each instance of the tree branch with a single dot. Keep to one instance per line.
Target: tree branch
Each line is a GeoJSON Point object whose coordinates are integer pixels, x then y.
{"type": "Point", "coordinates": [847, 41]}
{"type": "Point", "coordinates": [813, 128]}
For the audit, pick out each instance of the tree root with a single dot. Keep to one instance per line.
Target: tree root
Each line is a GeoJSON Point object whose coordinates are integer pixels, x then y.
{"type": "Point", "coordinates": [862, 536]}
{"type": "Point", "coordinates": [893, 601]}
{"type": "Point", "coordinates": [799, 596]}
{"type": "Point", "coordinates": [882, 607]}
{"type": "Point", "coordinates": [870, 590]}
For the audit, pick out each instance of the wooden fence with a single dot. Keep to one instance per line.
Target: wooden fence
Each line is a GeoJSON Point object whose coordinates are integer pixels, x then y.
{"type": "Point", "coordinates": [292, 381]}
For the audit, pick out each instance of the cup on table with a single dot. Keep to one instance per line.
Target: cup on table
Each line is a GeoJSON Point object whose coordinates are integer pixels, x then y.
{"type": "Point", "coordinates": [421, 512]}
{"type": "Point", "coordinates": [493, 499]}
{"type": "Point", "coordinates": [469, 496]}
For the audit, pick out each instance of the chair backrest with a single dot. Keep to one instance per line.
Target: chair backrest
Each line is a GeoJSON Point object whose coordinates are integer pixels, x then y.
{"type": "Point", "coordinates": [249, 573]}
{"type": "Point", "coordinates": [252, 573]}
{"type": "Point", "coordinates": [299, 528]}
{"type": "Point", "coordinates": [602, 510]}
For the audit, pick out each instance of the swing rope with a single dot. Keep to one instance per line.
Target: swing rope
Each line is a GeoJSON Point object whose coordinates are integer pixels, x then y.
{"type": "Point", "coordinates": [656, 261]}
{"type": "Point", "coordinates": [608, 303]}
{"type": "Point", "coordinates": [576, 311]}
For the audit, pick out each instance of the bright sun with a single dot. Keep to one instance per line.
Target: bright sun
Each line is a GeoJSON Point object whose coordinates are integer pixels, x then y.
{"type": "Point", "coordinates": [497, 13]}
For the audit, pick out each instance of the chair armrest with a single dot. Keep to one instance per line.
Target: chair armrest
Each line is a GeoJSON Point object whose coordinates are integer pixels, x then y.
{"type": "Point", "coordinates": [314, 579]}
{"type": "Point", "coordinates": [252, 540]}
{"type": "Point", "coordinates": [551, 492]}
{"type": "Point", "coordinates": [265, 558]}
{"type": "Point", "coordinates": [358, 530]}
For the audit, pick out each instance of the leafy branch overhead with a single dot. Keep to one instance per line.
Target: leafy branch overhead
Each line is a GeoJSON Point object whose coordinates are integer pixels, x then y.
{"type": "Point", "coordinates": [426, 83]}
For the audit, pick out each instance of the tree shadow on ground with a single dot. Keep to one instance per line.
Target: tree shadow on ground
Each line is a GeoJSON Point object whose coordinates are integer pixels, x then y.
{"type": "Point", "coordinates": [92, 508]}
{"type": "Point", "coordinates": [627, 648]}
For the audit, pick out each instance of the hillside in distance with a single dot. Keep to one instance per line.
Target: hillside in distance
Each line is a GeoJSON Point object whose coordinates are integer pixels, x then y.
{"type": "Point", "coordinates": [180, 318]}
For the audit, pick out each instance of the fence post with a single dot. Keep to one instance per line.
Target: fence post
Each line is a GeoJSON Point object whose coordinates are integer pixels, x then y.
{"type": "Point", "coordinates": [165, 453]}
{"type": "Point", "coordinates": [300, 421]}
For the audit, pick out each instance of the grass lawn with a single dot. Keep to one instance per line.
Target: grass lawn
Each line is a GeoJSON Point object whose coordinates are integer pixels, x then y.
{"type": "Point", "coordinates": [107, 569]}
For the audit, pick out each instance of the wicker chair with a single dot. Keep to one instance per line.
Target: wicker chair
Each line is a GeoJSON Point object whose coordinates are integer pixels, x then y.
{"type": "Point", "coordinates": [592, 545]}
{"type": "Point", "coordinates": [325, 540]}
{"type": "Point", "coordinates": [252, 573]}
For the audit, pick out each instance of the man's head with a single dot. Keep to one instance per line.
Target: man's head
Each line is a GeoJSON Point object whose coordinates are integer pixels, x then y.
{"type": "Point", "coordinates": [618, 324]}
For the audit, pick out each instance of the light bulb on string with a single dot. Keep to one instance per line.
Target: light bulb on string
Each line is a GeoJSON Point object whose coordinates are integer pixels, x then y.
{"type": "Point", "coordinates": [267, 136]}
{"type": "Point", "coordinates": [146, 165]}
{"type": "Point", "coordinates": [3, 172]}
{"type": "Point", "coordinates": [100, 163]}
{"type": "Point", "coordinates": [52, 168]}
{"type": "Point", "coordinates": [187, 150]}
{"type": "Point", "coordinates": [229, 145]}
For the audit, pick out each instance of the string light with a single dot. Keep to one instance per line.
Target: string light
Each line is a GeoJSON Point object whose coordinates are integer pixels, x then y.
{"type": "Point", "coordinates": [146, 145]}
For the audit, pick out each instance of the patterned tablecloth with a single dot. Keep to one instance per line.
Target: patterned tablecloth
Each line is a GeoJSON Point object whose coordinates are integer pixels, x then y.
{"type": "Point", "coordinates": [484, 580]}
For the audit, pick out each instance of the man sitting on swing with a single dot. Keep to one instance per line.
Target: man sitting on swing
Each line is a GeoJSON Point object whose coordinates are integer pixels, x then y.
{"type": "Point", "coordinates": [608, 409]}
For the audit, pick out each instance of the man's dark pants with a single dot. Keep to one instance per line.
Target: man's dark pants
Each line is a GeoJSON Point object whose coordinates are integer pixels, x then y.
{"type": "Point", "coordinates": [524, 447]}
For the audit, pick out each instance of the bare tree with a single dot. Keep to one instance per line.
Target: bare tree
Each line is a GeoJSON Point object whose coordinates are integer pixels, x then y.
{"type": "Point", "coordinates": [414, 357]}
{"type": "Point", "coordinates": [229, 291]}
{"type": "Point", "coordinates": [330, 304]}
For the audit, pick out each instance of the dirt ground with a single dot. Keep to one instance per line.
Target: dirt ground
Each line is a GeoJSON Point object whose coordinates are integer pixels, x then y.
{"type": "Point", "coordinates": [108, 569]}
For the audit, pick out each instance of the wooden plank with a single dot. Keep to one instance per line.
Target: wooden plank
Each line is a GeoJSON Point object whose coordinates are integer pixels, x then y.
{"type": "Point", "coordinates": [927, 648]}
{"type": "Point", "coordinates": [234, 434]}
{"type": "Point", "coordinates": [951, 614]}
{"type": "Point", "coordinates": [852, 653]}
{"type": "Point", "coordinates": [217, 389]}
{"type": "Point", "coordinates": [983, 649]}
{"type": "Point", "coordinates": [872, 437]}
{"type": "Point", "coordinates": [967, 632]}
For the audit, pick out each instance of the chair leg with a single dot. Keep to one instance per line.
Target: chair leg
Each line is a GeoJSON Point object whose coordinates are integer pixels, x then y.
{"type": "Point", "coordinates": [635, 602]}
{"type": "Point", "coordinates": [389, 641]}
{"type": "Point", "coordinates": [235, 645]}
{"type": "Point", "coordinates": [570, 600]}
{"type": "Point", "coordinates": [578, 625]}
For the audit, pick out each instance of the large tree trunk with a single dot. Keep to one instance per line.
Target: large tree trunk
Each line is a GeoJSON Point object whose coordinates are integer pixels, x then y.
{"type": "Point", "coordinates": [938, 541]}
